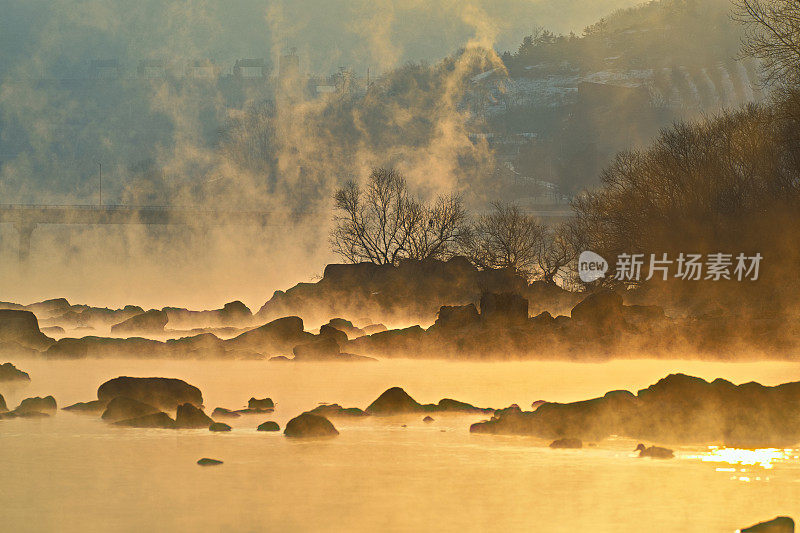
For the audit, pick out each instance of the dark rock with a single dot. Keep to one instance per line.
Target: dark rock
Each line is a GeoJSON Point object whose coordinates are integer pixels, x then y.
{"type": "Point", "coordinates": [602, 309]}
{"type": "Point", "coordinates": [155, 420]}
{"type": "Point", "coordinates": [122, 408]}
{"type": "Point", "coordinates": [308, 425]}
{"type": "Point", "coordinates": [22, 327]}
{"type": "Point", "coordinates": [457, 316]}
{"type": "Point", "coordinates": [46, 405]}
{"type": "Point", "coordinates": [221, 412]}
{"type": "Point", "coordinates": [9, 372]}
{"type": "Point", "coordinates": [394, 401]}
{"type": "Point", "coordinates": [164, 393]}
{"type": "Point", "coordinates": [91, 407]}
{"type": "Point", "coordinates": [428, 419]}
{"type": "Point", "coordinates": [189, 416]}
{"type": "Point", "coordinates": [567, 443]}
{"type": "Point", "coordinates": [781, 524]}
{"type": "Point", "coordinates": [454, 406]}
{"type": "Point", "coordinates": [277, 336]}
{"type": "Point", "coordinates": [269, 425]}
{"type": "Point", "coordinates": [346, 327]}
{"type": "Point", "coordinates": [263, 405]}
{"type": "Point", "coordinates": [335, 410]}
{"type": "Point", "coordinates": [152, 321]}
{"type": "Point", "coordinates": [504, 308]}
{"type": "Point", "coordinates": [338, 336]}
{"type": "Point", "coordinates": [235, 313]}
{"type": "Point", "coordinates": [374, 328]}
{"type": "Point", "coordinates": [219, 426]}
{"type": "Point", "coordinates": [47, 308]}
{"type": "Point", "coordinates": [3, 406]}
{"type": "Point", "coordinates": [321, 348]}
{"type": "Point", "coordinates": [205, 461]}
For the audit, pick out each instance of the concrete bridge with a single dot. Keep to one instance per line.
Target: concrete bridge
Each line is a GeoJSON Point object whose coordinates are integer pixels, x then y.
{"type": "Point", "coordinates": [27, 217]}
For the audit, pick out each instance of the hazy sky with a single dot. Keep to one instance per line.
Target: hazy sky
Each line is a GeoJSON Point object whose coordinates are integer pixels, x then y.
{"type": "Point", "coordinates": [60, 36]}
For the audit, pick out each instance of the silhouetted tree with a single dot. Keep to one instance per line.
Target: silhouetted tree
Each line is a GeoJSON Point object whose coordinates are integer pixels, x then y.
{"type": "Point", "coordinates": [382, 223]}
{"type": "Point", "coordinates": [773, 36]}
{"type": "Point", "coordinates": [507, 237]}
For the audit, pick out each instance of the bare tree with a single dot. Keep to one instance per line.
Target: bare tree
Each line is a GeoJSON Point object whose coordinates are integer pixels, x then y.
{"type": "Point", "coordinates": [773, 36]}
{"type": "Point", "coordinates": [383, 223]}
{"type": "Point", "coordinates": [558, 249]}
{"type": "Point", "coordinates": [506, 238]}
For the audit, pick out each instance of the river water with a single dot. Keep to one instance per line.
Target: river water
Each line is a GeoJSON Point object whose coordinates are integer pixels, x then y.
{"type": "Point", "coordinates": [73, 472]}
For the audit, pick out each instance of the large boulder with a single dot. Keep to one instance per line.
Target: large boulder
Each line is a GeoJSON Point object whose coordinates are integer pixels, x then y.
{"type": "Point", "coordinates": [36, 405]}
{"type": "Point", "coordinates": [280, 335]}
{"type": "Point", "coordinates": [269, 425]}
{"type": "Point", "coordinates": [152, 321]}
{"type": "Point", "coordinates": [49, 308]}
{"type": "Point", "coordinates": [602, 309]}
{"type": "Point", "coordinates": [22, 328]}
{"type": "Point", "coordinates": [122, 408]}
{"type": "Point", "coordinates": [164, 393]}
{"type": "Point", "coordinates": [307, 425]}
{"type": "Point", "coordinates": [189, 416]}
{"type": "Point", "coordinates": [156, 420]}
{"type": "Point", "coordinates": [504, 309]}
{"type": "Point", "coordinates": [9, 372]}
{"type": "Point", "coordinates": [394, 401]}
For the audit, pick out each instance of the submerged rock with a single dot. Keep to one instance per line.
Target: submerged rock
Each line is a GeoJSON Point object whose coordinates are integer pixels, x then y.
{"type": "Point", "coordinates": [269, 425]}
{"type": "Point", "coordinates": [205, 461]}
{"type": "Point", "coordinates": [428, 419]}
{"type": "Point", "coordinates": [191, 417]}
{"type": "Point", "coordinates": [122, 408]}
{"type": "Point", "coordinates": [394, 401]}
{"type": "Point", "coordinates": [566, 443]}
{"type": "Point", "coordinates": [781, 524]}
{"type": "Point", "coordinates": [221, 412]}
{"type": "Point", "coordinates": [165, 393]}
{"type": "Point", "coordinates": [9, 372]}
{"type": "Point", "coordinates": [336, 410]}
{"type": "Point", "coordinates": [90, 407]}
{"type": "Point", "coordinates": [308, 425]}
{"type": "Point", "coordinates": [219, 426]}
{"type": "Point", "coordinates": [157, 420]}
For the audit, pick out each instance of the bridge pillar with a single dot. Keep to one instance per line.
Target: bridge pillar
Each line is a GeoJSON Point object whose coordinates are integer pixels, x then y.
{"type": "Point", "coordinates": [25, 230]}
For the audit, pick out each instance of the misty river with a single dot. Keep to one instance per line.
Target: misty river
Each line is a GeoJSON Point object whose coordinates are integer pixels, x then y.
{"type": "Point", "coordinates": [381, 473]}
